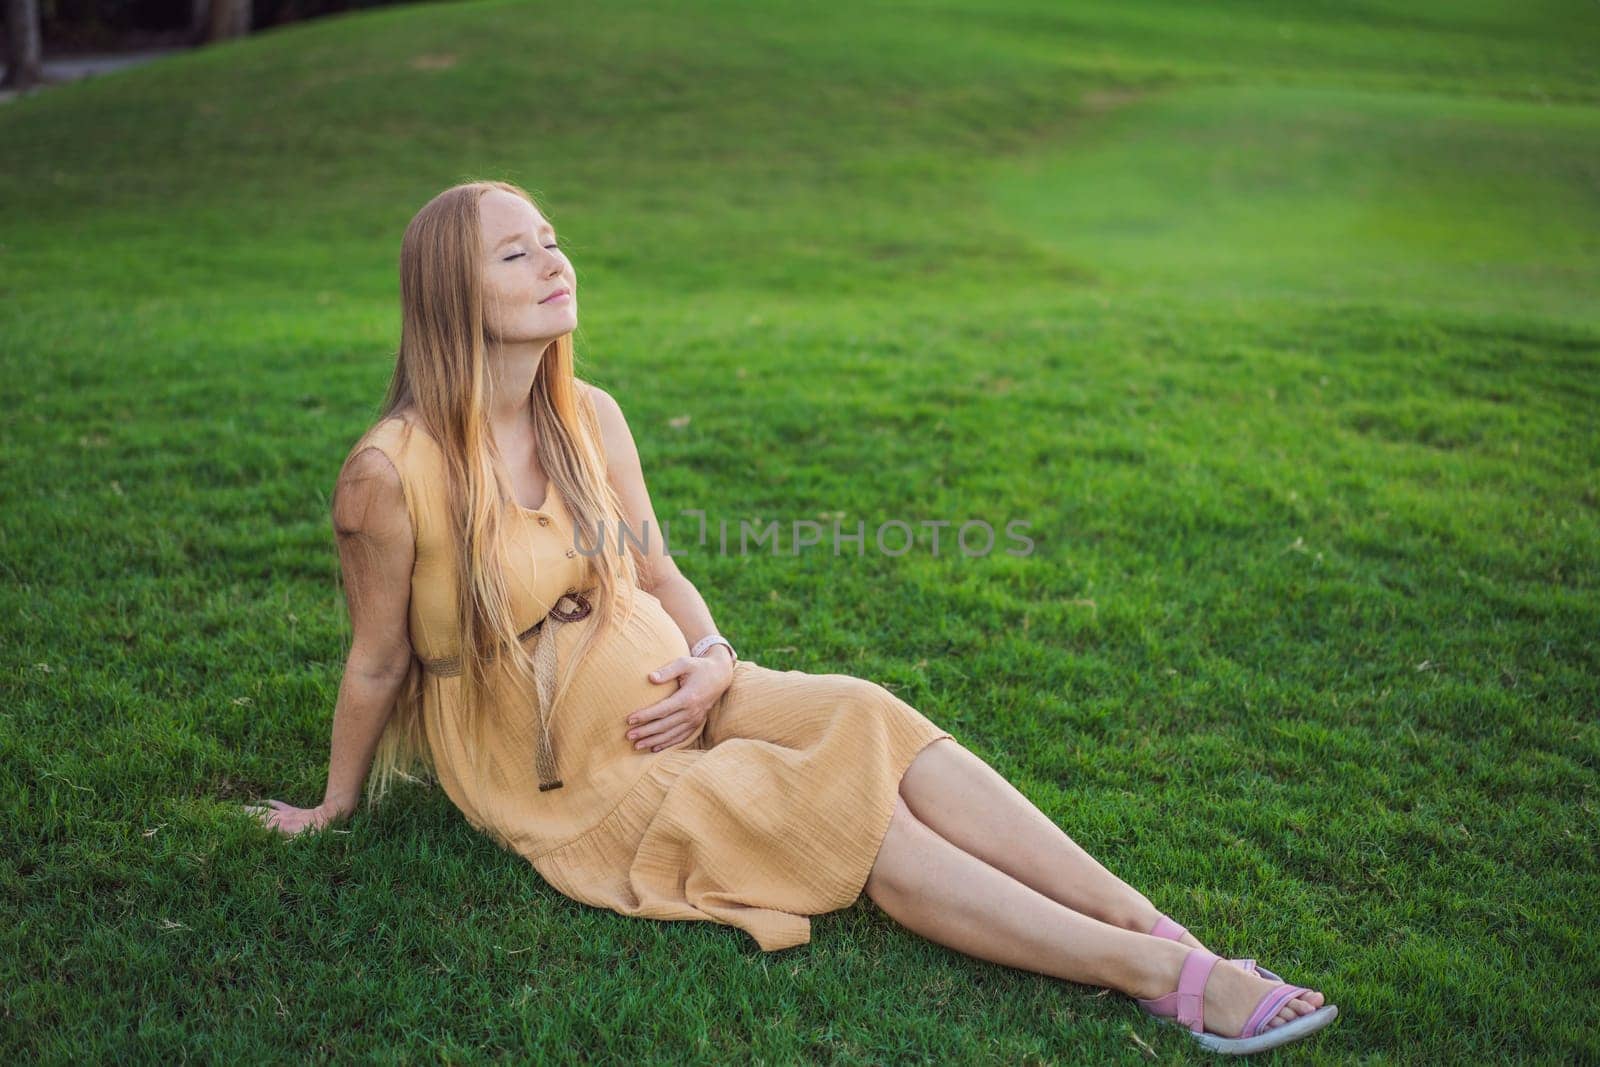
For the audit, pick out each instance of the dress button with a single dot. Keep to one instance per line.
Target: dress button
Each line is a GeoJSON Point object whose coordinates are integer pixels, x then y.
{"type": "Point", "coordinates": [544, 520]}
{"type": "Point", "coordinates": [571, 552]}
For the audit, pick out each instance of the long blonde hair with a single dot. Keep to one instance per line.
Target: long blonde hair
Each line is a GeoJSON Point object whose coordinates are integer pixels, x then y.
{"type": "Point", "coordinates": [441, 371]}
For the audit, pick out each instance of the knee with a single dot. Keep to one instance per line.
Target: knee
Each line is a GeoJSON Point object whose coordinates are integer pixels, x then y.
{"type": "Point", "coordinates": [888, 872]}
{"type": "Point", "coordinates": [871, 696]}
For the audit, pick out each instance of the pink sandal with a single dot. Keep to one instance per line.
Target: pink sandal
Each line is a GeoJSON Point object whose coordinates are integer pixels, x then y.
{"type": "Point", "coordinates": [1187, 1006]}
{"type": "Point", "coordinates": [1172, 931]}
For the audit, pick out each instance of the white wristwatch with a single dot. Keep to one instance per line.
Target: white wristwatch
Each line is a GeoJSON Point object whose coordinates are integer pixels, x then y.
{"type": "Point", "coordinates": [702, 646]}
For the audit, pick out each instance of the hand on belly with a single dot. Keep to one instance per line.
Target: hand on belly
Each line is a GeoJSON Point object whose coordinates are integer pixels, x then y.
{"type": "Point", "coordinates": [678, 691]}
{"type": "Point", "coordinates": [695, 687]}
{"type": "Point", "coordinates": [642, 673]}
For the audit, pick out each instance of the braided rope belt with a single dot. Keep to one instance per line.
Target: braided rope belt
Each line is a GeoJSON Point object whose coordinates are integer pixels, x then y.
{"type": "Point", "coordinates": [544, 673]}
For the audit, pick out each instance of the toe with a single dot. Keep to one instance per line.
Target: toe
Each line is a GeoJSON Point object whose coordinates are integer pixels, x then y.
{"type": "Point", "coordinates": [1304, 1004]}
{"type": "Point", "coordinates": [1301, 1005]}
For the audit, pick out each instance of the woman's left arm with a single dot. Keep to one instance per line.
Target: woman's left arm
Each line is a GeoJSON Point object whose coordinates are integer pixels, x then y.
{"type": "Point", "coordinates": [703, 679]}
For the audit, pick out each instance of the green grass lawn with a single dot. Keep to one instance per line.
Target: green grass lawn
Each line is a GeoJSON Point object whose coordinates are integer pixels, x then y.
{"type": "Point", "coordinates": [1281, 329]}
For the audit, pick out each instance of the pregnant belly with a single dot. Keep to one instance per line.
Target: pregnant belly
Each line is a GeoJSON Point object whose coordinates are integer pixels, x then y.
{"type": "Point", "coordinates": [590, 726]}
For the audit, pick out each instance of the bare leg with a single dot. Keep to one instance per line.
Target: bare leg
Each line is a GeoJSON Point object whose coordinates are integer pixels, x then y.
{"type": "Point", "coordinates": [955, 793]}
{"type": "Point", "coordinates": [950, 897]}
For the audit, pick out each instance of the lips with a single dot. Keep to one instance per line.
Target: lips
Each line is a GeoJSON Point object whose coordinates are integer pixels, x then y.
{"type": "Point", "coordinates": [555, 294]}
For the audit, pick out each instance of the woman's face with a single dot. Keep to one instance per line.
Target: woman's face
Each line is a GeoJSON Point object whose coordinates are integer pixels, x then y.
{"type": "Point", "coordinates": [522, 270]}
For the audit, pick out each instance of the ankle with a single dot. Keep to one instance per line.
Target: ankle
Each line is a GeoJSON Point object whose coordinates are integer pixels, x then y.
{"type": "Point", "coordinates": [1139, 916]}
{"type": "Point", "coordinates": [1153, 970]}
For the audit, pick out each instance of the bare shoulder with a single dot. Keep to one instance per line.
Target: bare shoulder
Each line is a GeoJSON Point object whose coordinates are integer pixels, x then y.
{"type": "Point", "coordinates": [400, 429]}
{"type": "Point", "coordinates": [620, 448]}
{"type": "Point", "coordinates": [405, 419]}
{"type": "Point", "coordinates": [605, 405]}
{"type": "Point", "coordinates": [369, 496]}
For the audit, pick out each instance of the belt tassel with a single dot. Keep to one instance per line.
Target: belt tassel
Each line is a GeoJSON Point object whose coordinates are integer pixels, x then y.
{"type": "Point", "coordinates": [544, 674]}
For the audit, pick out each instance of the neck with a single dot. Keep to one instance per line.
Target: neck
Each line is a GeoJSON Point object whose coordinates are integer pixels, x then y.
{"type": "Point", "coordinates": [512, 366]}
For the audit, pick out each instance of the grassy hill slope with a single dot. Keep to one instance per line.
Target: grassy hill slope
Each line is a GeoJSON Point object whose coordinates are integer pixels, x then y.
{"type": "Point", "coordinates": [1276, 327]}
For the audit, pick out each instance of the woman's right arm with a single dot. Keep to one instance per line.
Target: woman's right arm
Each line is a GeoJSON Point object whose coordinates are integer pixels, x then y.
{"type": "Point", "coordinates": [376, 552]}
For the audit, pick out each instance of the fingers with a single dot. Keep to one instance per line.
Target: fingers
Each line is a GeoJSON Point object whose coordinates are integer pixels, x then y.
{"type": "Point", "coordinates": [669, 729]}
{"type": "Point", "coordinates": [670, 670]}
{"type": "Point", "coordinates": [651, 727]}
{"type": "Point", "coordinates": [665, 706]}
{"type": "Point", "coordinates": [268, 819]}
{"type": "Point", "coordinates": [652, 732]}
{"type": "Point", "coordinates": [671, 737]}
{"type": "Point", "coordinates": [276, 816]}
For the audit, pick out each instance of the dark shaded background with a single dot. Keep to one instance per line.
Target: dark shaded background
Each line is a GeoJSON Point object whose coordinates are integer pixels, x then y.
{"type": "Point", "coordinates": [73, 25]}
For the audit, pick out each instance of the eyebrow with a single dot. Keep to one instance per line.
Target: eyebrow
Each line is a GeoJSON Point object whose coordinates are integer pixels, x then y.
{"type": "Point", "coordinates": [507, 240]}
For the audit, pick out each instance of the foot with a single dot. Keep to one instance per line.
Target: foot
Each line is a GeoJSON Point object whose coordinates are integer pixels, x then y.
{"type": "Point", "coordinates": [1233, 993]}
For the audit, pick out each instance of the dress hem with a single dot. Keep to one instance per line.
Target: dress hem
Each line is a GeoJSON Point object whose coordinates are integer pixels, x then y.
{"type": "Point", "coordinates": [619, 865]}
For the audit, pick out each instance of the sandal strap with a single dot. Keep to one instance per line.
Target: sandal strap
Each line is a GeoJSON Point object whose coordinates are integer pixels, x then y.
{"type": "Point", "coordinates": [1269, 1006]}
{"type": "Point", "coordinates": [1192, 988]}
{"type": "Point", "coordinates": [1168, 929]}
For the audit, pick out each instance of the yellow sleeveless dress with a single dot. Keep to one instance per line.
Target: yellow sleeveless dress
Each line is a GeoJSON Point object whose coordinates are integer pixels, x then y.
{"type": "Point", "coordinates": [774, 812]}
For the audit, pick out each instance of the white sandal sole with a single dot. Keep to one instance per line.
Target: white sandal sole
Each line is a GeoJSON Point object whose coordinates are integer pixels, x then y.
{"type": "Point", "coordinates": [1278, 1035]}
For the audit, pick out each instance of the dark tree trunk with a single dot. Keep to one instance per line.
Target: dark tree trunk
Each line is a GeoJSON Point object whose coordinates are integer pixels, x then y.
{"type": "Point", "coordinates": [24, 63]}
{"type": "Point", "coordinates": [199, 21]}
{"type": "Point", "coordinates": [228, 18]}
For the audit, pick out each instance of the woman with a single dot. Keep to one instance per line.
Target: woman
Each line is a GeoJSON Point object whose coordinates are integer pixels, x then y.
{"type": "Point", "coordinates": [579, 707]}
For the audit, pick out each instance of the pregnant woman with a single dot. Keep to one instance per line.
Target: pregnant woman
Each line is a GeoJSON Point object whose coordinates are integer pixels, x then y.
{"type": "Point", "coordinates": [578, 706]}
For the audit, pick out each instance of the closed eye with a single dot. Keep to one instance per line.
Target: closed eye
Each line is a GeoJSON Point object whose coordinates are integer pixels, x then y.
{"type": "Point", "coordinates": [519, 254]}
